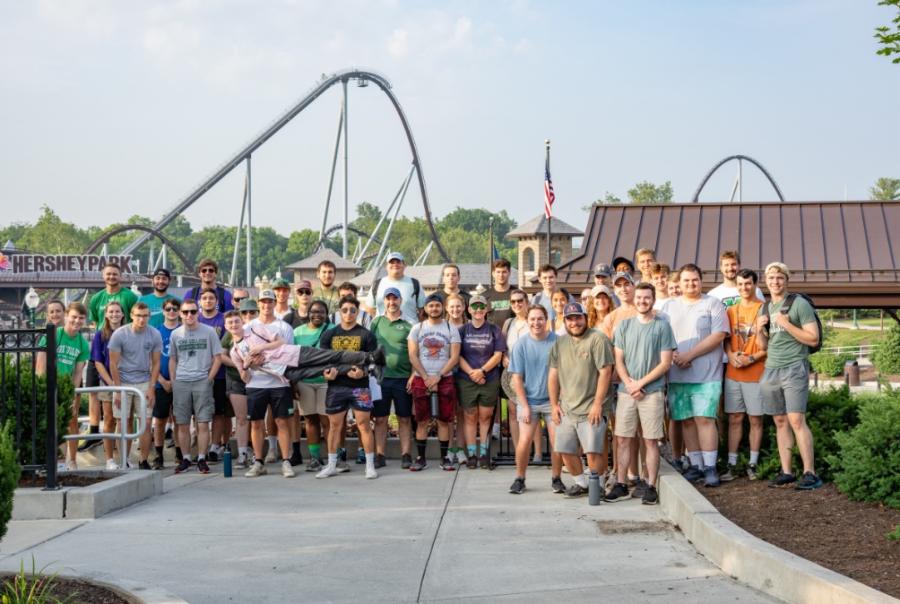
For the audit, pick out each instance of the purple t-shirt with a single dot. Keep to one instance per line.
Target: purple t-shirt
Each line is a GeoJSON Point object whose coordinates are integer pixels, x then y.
{"type": "Point", "coordinates": [479, 344]}
{"type": "Point", "coordinates": [100, 351]}
{"type": "Point", "coordinates": [217, 322]}
{"type": "Point", "coordinates": [226, 297]}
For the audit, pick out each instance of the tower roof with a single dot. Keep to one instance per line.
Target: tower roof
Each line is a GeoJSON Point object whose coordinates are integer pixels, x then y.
{"type": "Point", "coordinates": [538, 226]}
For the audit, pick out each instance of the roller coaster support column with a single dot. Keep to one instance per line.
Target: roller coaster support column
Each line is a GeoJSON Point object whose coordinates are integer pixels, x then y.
{"type": "Point", "coordinates": [249, 228]}
{"type": "Point", "coordinates": [334, 158]}
{"type": "Point", "coordinates": [346, 172]}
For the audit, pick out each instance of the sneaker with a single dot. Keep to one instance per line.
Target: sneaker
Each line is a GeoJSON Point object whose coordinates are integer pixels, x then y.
{"type": "Point", "coordinates": [170, 439]}
{"type": "Point", "coordinates": [327, 471]}
{"type": "Point", "coordinates": [472, 462]}
{"type": "Point", "coordinates": [618, 493]}
{"type": "Point", "coordinates": [483, 462]}
{"type": "Point", "coordinates": [270, 456]}
{"type": "Point", "coordinates": [693, 474]}
{"type": "Point", "coordinates": [158, 463]}
{"type": "Point", "coordinates": [518, 486]}
{"type": "Point", "coordinates": [752, 472]}
{"type": "Point", "coordinates": [380, 460]}
{"type": "Point", "coordinates": [371, 473]}
{"type": "Point", "coordinates": [183, 466]}
{"type": "Point", "coordinates": [462, 458]}
{"type": "Point", "coordinates": [129, 465]}
{"type": "Point", "coordinates": [296, 459]}
{"type": "Point", "coordinates": [286, 470]}
{"type": "Point", "coordinates": [342, 466]}
{"type": "Point", "coordinates": [71, 466]}
{"type": "Point", "coordinates": [639, 489]}
{"type": "Point", "coordinates": [576, 490]}
{"type": "Point", "coordinates": [651, 497]}
{"type": "Point", "coordinates": [111, 465]}
{"type": "Point", "coordinates": [678, 465]}
{"type": "Point", "coordinates": [144, 465]}
{"type": "Point", "coordinates": [257, 469]}
{"type": "Point", "coordinates": [448, 465]}
{"type": "Point", "coordinates": [212, 456]}
{"type": "Point", "coordinates": [418, 465]}
{"type": "Point", "coordinates": [557, 485]}
{"type": "Point", "coordinates": [242, 461]}
{"type": "Point", "coordinates": [88, 445]}
{"type": "Point", "coordinates": [360, 456]}
{"type": "Point", "coordinates": [782, 479]}
{"type": "Point", "coordinates": [314, 464]}
{"type": "Point", "coordinates": [728, 475]}
{"type": "Point", "coordinates": [406, 461]}
{"type": "Point", "coordinates": [178, 455]}
{"type": "Point", "coordinates": [202, 466]}
{"type": "Point", "coordinates": [711, 477]}
{"type": "Point", "coordinates": [808, 482]}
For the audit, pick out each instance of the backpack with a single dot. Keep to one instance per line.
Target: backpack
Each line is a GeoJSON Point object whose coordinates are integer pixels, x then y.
{"type": "Point", "coordinates": [415, 284]}
{"type": "Point", "coordinates": [786, 308]}
{"type": "Point", "coordinates": [220, 297]}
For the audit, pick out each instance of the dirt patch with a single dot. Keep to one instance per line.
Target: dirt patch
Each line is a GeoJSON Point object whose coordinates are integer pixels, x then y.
{"type": "Point", "coordinates": [63, 480]}
{"type": "Point", "coordinates": [620, 527]}
{"type": "Point", "coordinates": [822, 525]}
{"type": "Point", "coordinates": [75, 591]}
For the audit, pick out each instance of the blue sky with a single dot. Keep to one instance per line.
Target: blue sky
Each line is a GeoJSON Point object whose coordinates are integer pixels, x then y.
{"type": "Point", "coordinates": [117, 108]}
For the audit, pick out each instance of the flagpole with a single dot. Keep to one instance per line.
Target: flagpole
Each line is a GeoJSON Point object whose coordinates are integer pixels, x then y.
{"type": "Point", "coordinates": [491, 251]}
{"type": "Point", "coordinates": [550, 210]}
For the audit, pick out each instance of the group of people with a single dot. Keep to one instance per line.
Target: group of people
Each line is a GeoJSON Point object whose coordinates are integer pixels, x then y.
{"type": "Point", "coordinates": [644, 352]}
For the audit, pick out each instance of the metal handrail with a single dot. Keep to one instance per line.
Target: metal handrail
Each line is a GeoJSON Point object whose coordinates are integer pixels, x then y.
{"type": "Point", "coordinates": [123, 435]}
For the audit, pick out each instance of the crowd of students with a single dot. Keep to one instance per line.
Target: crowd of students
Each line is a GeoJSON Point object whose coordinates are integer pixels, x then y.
{"type": "Point", "coordinates": [643, 356]}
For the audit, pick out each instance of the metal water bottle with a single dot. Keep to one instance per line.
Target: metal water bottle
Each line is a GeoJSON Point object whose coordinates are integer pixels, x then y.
{"type": "Point", "coordinates": [435, 407]}
{"type": "Point", "coordinates": [595, 493]}
{"type": "Point", "coordinates": [226, 462]}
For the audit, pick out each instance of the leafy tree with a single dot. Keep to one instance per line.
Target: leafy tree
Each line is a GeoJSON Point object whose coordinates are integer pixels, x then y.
{"type": "Point", "coordinates": [13, 232]}
{"type": "Point", "coordinates": [607, 199]}
{"type": "Point", "coordinates": [889, 40]}
{"type": "Point", "coordinates": [886, 189]}
{"type": "Point", "coordinates": [647, 192]}
{"type": "Point", "coordinates": [51, 235]}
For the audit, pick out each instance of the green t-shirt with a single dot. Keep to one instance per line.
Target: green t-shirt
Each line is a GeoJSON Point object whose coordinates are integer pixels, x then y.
{"type": "Point", "coordinates": [783, 348]}
{"type": "Point", "coordinates": [98, 302]}
{"type": "Point", "coordinates": [394, 337]}
{"type": "Point", "coordinates": [307, 335]}
{"type": "Point", "coordinates": [230, 372]}
{"type": "Point", "coordinates": [578, 362]}
{"type": "Point", "coordinates": [155, 304]}
{"type": "Point", "coordinates": [642, 345]}
{"type": "Point", "coordinates": [70, 350]}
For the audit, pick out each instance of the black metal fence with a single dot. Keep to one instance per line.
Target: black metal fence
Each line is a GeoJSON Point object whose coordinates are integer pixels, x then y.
{"type": "Point", "coordinates": [28, 401]}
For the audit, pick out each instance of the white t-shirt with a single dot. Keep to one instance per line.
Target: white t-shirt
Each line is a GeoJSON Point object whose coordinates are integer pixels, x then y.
{"type": "Point", "coordinates": [730, 296]}
{"type": "Point", "coordinates": [261, 379]}
{"type": "Point", "coordinates": [409, 308]}
{"type": "Point", "coordinates": [434, 341]}
{"type": "Point", "coordinates": [692, 323]}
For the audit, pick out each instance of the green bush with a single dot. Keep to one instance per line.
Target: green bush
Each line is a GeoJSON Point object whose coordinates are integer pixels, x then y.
{"type": "Point", "coordinates": [886, 357]}
{"type": "Point", "coordinates": [828, 363]}
{"type": "Point", "coordinates": [9, 391]}
{"type": "Point", "coordinates": [866, 466]}
{"type": "Point", "coordinates": [9, 477]}
{"type": "Point", "coordinates": [894, 535]}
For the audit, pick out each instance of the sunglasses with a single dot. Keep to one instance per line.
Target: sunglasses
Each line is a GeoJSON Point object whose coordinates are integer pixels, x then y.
{"type": "Point", "coordinates": [516, 300]}
{"type": "Point", "coordinates": [304, 292]}
{"type": "Point", "coordinates": [171, 309]}
{"type": "Point", "coordinates": [236, 299]}
{"type": "Point", "coordinates": [478, 306]}
{"type": "Point", "coordinates": [192, 311]}
{"type": "Point", "coordinates": [207, 270]}
{"type": "Point", "coordinates": [349, 311]}
{"type": "Point", "coordinates": [249, 312]}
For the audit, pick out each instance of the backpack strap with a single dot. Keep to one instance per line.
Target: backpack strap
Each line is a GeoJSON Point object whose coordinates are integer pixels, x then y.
{"type": "Point", "coordinates": [506, 325]}
{"type": "Point", "coordinates": [788, 302]}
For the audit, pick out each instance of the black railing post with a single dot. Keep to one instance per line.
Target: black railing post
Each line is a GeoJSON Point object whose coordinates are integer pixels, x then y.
{"type": "Point", "coordinates": [52, 445]}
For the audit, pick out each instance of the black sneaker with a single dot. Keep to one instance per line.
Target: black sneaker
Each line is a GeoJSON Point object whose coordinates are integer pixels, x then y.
{"type": "Point", "coordinates": [158, 463]}
{"type": "Point", "coordinates": [183, 466]}
{"type": "Point", "coordinates": [89, 444]}
{"type": "Point", "coordinates": [144, 465]}
{"type": "Point", "coordinates": [640, 487]}
{"type": "Point", "coordinates": [781, 480]}
{"type": "Point", "coordinates": [380, 460]}
{"type": "Point", "coordinates": [808, 482]}
{"type": "Point", "coordinates": [693, 474]}
{"type": "Point", "coordinates": [449, 465]}
{"type": "Point", "coordinates": [178, 454]}
{"type": "Point", "coordinates": [483, 462]}
{"type": "Point", "coordinates": [518, 486]}
{"type": "Point", "coordinates": [406, 462]}
{"type": "Point", "coordinates": [418, 465]}
{"type": "Point", "coordinates": [651, 497]}
{"type": "Point", "coordinates": [557, 485]}
{"type": "Point", "coordinates": [617, 493]}
{"type": "Point", "coordinates": [360, 456]}
{"type": "Point", "coordinates": [296, 459]}
{"type": "Point", "coordinates": [472, 462]}
{"type": "Point", "coordinates": [576, 490]}
{"type": "Point", "coordinates": [202, 466]}
{"type": "Point", "coordinates": [211, 457]}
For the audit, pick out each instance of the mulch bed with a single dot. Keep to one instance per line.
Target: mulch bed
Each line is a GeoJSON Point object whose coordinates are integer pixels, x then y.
{"type": "Point", "coordinates": [76, 591]}
{"type": "Point", "coordinates": [822, 525]}
{"type": "Point", "coordinates": [63, 480]}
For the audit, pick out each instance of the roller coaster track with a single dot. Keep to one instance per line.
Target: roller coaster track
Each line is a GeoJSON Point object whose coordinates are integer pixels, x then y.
{"type": "Point", "coordinates": [150, 232]}
{"type": "Point", "coordinates": [739, 158]}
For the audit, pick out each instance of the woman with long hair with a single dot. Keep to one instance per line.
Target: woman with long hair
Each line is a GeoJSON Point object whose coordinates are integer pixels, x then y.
{"type": "Point", "coordinates": [114, 317]}
{"type": "Point", "coordinates": [513, 328]}
{"type": "Point", "coordinates": [601, 305]}
{"type": "Point", "coordinates": [558, 301]}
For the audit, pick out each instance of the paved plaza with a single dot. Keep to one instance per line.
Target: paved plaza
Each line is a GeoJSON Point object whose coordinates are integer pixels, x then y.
{"type": "Point", "coordinates": [429, 537]}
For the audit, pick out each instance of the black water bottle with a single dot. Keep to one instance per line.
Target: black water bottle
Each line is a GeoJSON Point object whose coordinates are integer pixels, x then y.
{"type": "Point", "coordinates": [435, 407]}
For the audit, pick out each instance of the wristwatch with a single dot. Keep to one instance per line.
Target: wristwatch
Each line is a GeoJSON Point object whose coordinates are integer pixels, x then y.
{"type": "Point", "coordinates": [752, 358]}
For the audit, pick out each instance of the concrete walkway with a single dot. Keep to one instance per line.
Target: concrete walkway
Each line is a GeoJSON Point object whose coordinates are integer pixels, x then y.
{"type": "Point", "coordinates": [428, 537]}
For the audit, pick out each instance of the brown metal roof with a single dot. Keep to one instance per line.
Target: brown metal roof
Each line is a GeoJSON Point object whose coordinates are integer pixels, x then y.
{"type": "Point", "coordinates": [840, 253]}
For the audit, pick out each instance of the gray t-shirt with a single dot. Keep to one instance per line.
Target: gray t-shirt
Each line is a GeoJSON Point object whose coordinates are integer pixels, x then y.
{"type": "Point", "coordinates": [642, 345]}
{"type": "Point", "coordinates": [193, 351]}
{"type": "Point", "coordinates": [691, 323]}
{"type": "Point", "coordinates": [135, 349]}
{"type": "Point", "coordinates": [578, 362]}
{"type": "Point", "coordinates": [434, 343]}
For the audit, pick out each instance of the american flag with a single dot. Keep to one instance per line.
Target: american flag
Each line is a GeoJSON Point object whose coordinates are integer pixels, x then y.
{"type": "Point", "coordinates": [549, 195]}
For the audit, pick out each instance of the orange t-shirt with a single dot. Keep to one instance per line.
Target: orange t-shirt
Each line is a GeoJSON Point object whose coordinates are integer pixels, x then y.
{"type": "Point", "coordinates": [742, 318]}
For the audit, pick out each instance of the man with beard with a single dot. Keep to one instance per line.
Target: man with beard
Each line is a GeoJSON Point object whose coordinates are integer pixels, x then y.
{"type": "Point", "coordinates": [498, 295]}
{"type": "Point", "coordinates": [156, 299]}
{"type": "Point", "coordinates": [325, 290]}
{"type": "Point", "coordinates": [727, 291]}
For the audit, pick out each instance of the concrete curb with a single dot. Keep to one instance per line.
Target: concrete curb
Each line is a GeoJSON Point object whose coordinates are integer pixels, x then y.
{"type": "Point", "coordinates": [128, 590]}
{"type": "Point", "coordinates": [751, 560]}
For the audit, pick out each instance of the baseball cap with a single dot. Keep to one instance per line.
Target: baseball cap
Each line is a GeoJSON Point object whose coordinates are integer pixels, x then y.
{"type": "Point", "coordinates": [248, 304]}
{"type": "Point", "coordinates": [305, 284]}
{"type": "Point", "coordinates": [623, 276]}
{"type": "Point", "coordinates": [435, 297]}
{"type": "Point", "coordinates": [479, 298]}
{"type": "Point", "coordinates": [392, 291]}
{"type": "Point", "coordinates": [603, 269]}
{"type": "Point", "coordinates": [267, 294]}
{"type": "Point", "coordinates": [395, 256]}
{"type": "Point", "coordinates": [573, 308]}
{"type": "Point", "coordinates": [164, 272]}
{"type": "Point", "coordinates": [602, 289]}
{"type": "Point", "coordinates": [281, 283]}
{"type": "Point", "coordinates": [620, 259]}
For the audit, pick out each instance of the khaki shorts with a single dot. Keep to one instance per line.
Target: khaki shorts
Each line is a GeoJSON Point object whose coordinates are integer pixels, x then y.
{"type": "Point", "coordinates": [571, 432]}
{"type": "Point", "coordinates": [312, 398]}
{"type": "Point", "coordinates": [650, 411]}
{"type": "Point", "coordinates": [133, 400]}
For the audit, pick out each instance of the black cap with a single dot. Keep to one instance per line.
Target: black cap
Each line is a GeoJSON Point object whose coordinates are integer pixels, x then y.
{"type": "Point", "coordinates": [619, 260]}
{"type": "Point", "coordinates": [162, 271]}
{"type": "Point", "coordinates": [435, 297]}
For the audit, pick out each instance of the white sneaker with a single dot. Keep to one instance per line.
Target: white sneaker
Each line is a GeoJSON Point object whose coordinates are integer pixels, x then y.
{"type": "Point", "coordinates": [257, 469]}
{"type": "Point", "coordinates": [286, 470]}
{"type": "Point", "coordinates": [327, 472]}
{"type": "Point", "coordinates": [461, 457]}
{"type": "Point", "coordinates": [111, 464]}
{"type": "Point", "coordinates": [371, 473]}
{"type": "Point", "coordinates": [270, 456]}
{"type": "Point", "coordinates": [71, 466]}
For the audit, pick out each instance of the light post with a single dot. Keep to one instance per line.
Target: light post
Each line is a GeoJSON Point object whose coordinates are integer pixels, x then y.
{"type": "Point", "coordinates": [32, 299]}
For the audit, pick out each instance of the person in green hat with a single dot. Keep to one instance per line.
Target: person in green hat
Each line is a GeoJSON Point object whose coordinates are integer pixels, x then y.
{"type": "Point", "coordinates": [282, 289]}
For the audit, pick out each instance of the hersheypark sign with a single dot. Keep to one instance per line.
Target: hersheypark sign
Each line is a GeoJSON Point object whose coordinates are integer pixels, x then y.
{"type": "Point", "coordinates": [56, 263]}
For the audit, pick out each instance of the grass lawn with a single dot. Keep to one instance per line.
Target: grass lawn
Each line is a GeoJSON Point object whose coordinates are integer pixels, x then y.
{"type": "Point", "coordinates": [853, 337]}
